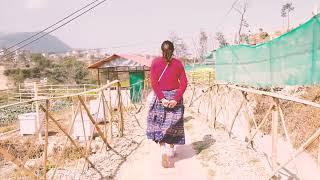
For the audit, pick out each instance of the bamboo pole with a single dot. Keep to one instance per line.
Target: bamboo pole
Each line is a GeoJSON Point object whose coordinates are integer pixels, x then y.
{"type": "Point", "coordinates": [99, 82]}
{"type": "Point", "coordinates": [75, 113]}
{"type": "Point", "coordinates": [209, 104]}
{"type": "Point", "coordinates": [88, 149]}
{"type": "Point", "coordinates": [88, 146]}
{"type": "Point", "coordinates": [215, 106]}
{"type": "Point", "coordinates": [105, 118]}
{"type": "Point", "coordinates": [109, 94]}
{"type": "Point", "coordinates": [17, 162]}
{"type": "Point", "coordinates": [92, 120]}
{"type": "Point", "coordinates": [255, 122]}
{"type": "Point", "coordinates": [83, 128]}
{"type": "Point", "coordinates": [300, 150]}
{"type": "Point", "coordinates": [247, 118]}
{"type": "Point", "coordinates": [37, 110]}
{"type": "Point", "coordinates": [69, 137]}
{"type": "Point", "coordinates": [97, 127]}
{"type": "Point", "coordinates": [236, 115]}
{"type": "Point", "coordinates": [46, 141]}
{"type": "Point", "coordinates": [287, 135]}
{"type": "Point", "coordinates": [65, 96]}
{"type": "Point", "coordinates": [121, 125]}
{"type": "Point", "coordinates": [261, 124]}
{"type": "Point", "coordinates": [109, 119]}
{"type": "Point", "coordinates": [279, 96]}
{"type": "Point", "coordinates": [271, 94]}
{"type": "Point", "coordinates": [19, 92]}
{"type": "Point", "coordinates": [275, 121]}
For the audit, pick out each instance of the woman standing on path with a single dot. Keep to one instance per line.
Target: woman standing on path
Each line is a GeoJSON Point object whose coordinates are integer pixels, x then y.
{"type": "Point", "coordinates": [165, 117]}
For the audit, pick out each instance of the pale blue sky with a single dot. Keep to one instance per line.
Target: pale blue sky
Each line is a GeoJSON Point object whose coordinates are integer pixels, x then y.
{"type": "Point", "coordinates": [145, 23]}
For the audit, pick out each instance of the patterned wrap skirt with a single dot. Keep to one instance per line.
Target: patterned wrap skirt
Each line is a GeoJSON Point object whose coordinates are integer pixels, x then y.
{"type": "Point", "coordinates": [166, 124]}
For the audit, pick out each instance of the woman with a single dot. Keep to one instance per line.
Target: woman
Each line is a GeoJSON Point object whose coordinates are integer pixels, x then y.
{"type": "Point", "coordinates": [165, 117]}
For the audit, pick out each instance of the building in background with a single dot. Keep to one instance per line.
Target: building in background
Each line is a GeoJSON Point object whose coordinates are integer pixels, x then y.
{"type": "Point", "coordinates": [131, 70]}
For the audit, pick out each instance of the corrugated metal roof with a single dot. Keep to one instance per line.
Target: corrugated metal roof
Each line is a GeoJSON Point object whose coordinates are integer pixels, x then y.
{"type": "Point", "coordinates": [142, 60]}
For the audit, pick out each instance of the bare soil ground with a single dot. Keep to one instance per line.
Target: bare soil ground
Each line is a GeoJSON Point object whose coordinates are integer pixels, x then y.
{"type": "Point", "coordinates": [301, 120]}
{"type": "Point", "coordinates": [207, 154]}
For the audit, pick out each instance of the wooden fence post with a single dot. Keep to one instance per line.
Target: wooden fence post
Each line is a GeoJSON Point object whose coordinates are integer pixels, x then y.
{"type": "Point", "coordinates": [69, 137]}
{"type": "Point", "coordinates": [109, 94]}
{"type": "Point", "coordinates": [261, 124]}
{"type": "Point", "coordinates": [275, 120]}
{"type": "Point", "coordinates": [38, 123]}
{"type": "Point", "coordinates": [237, 113]}
{"type": "Point", "coordinates": [6, 155]}
{"type": "Point", "coordinates": [298, 151]}
{"type": "Point", "coordinates": [19, 92]}
{"type": "Point", "coordinates": [46, 141]}
{"type": "Point", "coordinates": [121, 123]}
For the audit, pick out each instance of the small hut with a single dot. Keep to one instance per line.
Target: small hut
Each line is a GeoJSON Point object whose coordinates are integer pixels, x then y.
{"type": "Point", "coordinates": [131, 70]}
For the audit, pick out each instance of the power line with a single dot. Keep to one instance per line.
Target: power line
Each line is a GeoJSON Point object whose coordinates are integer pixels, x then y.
{"type": "Point", "coordinates": [43, 31]}
{"type": "Point", "coordinates": [227, 14]}
{"type": "Point", "coordinates": [51, 25]}
{"type": "Point", "coordinates": [46, 33]}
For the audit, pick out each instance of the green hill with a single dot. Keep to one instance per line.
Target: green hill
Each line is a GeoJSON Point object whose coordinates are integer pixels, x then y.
{"type": "Point", "coordinates": [48, 43]}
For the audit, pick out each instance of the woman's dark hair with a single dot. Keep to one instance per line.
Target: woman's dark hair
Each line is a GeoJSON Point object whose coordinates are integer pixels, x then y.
{"type": "Point", "coordinates": [167, 48]}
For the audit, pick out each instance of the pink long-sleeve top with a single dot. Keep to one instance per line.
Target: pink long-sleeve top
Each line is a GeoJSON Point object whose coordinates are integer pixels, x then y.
{"type": "Point", "coordinates": [173, 78]}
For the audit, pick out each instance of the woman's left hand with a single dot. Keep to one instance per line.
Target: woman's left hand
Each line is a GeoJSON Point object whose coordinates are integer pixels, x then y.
{"type": "Point", "coordinates": [172, 103]}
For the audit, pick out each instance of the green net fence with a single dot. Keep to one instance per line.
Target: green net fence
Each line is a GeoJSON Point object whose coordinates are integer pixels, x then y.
{"type": "Point", "coordinates": [291, 59]}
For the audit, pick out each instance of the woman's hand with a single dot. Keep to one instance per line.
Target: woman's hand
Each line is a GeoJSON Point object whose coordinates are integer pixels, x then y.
{"type": "Point", "coordinates": [165, 102]}
{"type": "Point", "coordinates": [172, 103]}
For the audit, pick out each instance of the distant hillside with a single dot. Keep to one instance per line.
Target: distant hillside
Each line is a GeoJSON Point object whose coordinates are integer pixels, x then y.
{"type": "Point", "coordinates": [48, 43]}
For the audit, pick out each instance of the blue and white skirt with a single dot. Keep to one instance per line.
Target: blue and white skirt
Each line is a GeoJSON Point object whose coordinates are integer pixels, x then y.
{"type": "Point", "coordinates": [166, 124]}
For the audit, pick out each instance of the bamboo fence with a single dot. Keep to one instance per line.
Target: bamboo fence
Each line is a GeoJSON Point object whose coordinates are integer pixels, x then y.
{"type": "Point", "coordinates": [216, 98]}
{"type": "Point", "coordinates": [113, 117]}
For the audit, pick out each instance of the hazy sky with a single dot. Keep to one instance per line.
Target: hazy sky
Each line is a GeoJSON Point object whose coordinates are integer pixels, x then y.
{"type": "Point", "coordinates": [144, 23]}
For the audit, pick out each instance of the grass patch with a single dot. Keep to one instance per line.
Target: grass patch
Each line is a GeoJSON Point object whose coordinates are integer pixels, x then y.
{"type": "Point", "coordinates": [73, 153]}
{"type": "Point", "coordinates": [8, 128]}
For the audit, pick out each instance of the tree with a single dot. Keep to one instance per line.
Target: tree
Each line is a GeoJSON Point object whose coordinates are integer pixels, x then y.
{"type": "Point", "coordinates": [7, 55]}
{"type": "Point", "coordinates": [203, 45]}
{"type": "Point", "coordinates": [285, 12]}
{"type": "Point", "coordinates": [221, 39]}
{"type": "Point", "coordinates": [244, 38]}
{"type": "Point", "coordinates": [40, 61]}
{"type": "Point", "coordinates": [241, 9]}
{"type": "Point", "coordinates": [59, 74]}
{"type": "Point", "coordinates": [264, 35]}
{"type": "Point", "coordinates": [77, 71]}
{"type": "Point", "coordinates": [181, 49]}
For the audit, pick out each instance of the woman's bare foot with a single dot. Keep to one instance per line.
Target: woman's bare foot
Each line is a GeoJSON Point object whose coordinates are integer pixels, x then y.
{"type": "Point", "coordinates": [164, 157]}
{"type": "Point", "coordinates": [165, 161]}
{"type": "Point", "coordinates": [171, 151]}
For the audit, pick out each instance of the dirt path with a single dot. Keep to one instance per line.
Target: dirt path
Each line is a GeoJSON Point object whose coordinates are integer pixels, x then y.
{"type": "Point", "coordinates": [145, 164]}
{"type": "Point", "coordinates": [207, 154]}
